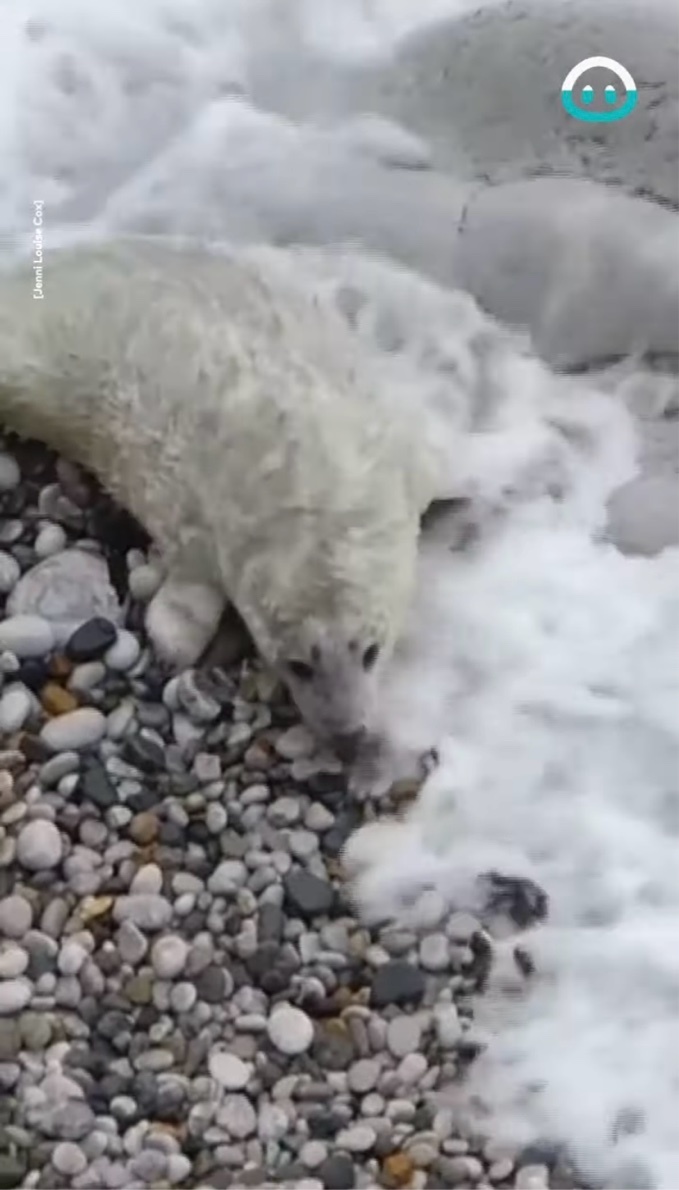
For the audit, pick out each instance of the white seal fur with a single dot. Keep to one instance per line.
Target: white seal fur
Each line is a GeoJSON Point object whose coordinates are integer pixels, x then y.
{"type": "Point", "coordinates": [228, 414]}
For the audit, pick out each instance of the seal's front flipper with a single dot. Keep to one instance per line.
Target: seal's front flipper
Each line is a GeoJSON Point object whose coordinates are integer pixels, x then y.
{"type": "Point", "coordinates": [182, 619]}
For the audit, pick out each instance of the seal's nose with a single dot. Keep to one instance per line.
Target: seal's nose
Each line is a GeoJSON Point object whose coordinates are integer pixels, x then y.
{"type": "Point", "coordinates": [346, 744]}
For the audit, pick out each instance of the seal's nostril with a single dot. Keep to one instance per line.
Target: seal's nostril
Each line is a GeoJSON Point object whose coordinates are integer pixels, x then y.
{"type": "Point", "coordinates": [346, 744]}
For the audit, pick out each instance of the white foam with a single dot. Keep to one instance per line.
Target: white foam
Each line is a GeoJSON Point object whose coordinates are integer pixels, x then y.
{"type": "Point", "coordinates": [541, 662]}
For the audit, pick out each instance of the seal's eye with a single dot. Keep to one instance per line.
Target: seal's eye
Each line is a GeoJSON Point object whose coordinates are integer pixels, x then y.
{"type": "Point", "coordinates": [370, 656]}
{"type": "Point", "coordinates": [301, 670]}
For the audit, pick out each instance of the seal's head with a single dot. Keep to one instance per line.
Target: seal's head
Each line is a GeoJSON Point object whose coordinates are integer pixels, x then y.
{"type": "Point", "coordinates": [325, 605]}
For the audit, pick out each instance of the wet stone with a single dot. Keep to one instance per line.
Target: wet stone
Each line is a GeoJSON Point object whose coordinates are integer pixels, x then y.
{"type": "Point", "coordinates": [96, 786]}
{"type": "Point", "coordinates": [307, 895]}
{"type": "Point", "coordinates": [91, 640]}
{"type": "Point", "coordinates": [397, 982]}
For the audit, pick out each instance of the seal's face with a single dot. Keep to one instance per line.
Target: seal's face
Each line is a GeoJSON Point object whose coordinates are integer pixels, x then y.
{"type": "Point", "coordinates": [332, 677]}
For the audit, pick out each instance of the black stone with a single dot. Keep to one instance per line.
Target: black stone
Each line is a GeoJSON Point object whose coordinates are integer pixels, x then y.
{"type": "Point", "coordinates": [307, 895]}
{"type": "Point", "coordinates": [338, 1172]}
{"type": "Point", "coordinates": [270, 923]}
{"type": "Point", "coordinates": [145, 754]}
{"type": "Point", "coordinates": [91, 640]}
{"type": "Point", "coordinates": [171, 834]}
{"type": "Point", "coordinates": [323, 1125]}
{"type": "Point", "coordinates": [96, 786]}
{"type": "Point", "coordinates": [211, 985]}
{"type": "Point", "coordinates": [346, 821]}
{"type": "Point", "coordinates": [12, 1171]}
{"type": "Point", "coordinates": [33, 673]}
{"type": "Point", "coordinates": [397, 982]}
{"type": "Point", "coordinates": [146, 799]}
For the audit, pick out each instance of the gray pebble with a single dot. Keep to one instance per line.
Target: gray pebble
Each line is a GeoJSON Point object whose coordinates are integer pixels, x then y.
{"type": "Point", "coordinates": [447, 1026]}
{"type": "Point", "coordinates": [363, 1075]}
{"type": "Point", "coordinates": [10, 475]}
{"type": "Point", "coordinates": [404, 1034]}
{"type": "Point", "coordinates": [16, 916]}
{"type": "Point", "coordinates": [238, 1117]}
{"type": "Point", "coordinates": [10, 572]}
{"type": "Point", "coordinates": [148, 911]}
{"type": "Point", "coordinates": [59, 766]}
{"type": "Point", "coordinates": [50, 540]}
{"type": "Point", "coordinates": [169, 955]}
{"type": "Point", "coordinates": [313, 1153]}
{"type": "Point", "coordinates": [68, 1159]}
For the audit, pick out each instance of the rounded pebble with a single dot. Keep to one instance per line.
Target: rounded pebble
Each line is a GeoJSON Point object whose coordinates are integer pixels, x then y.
{"type": "Point", "coordinates": [75, 730]}
{"type": "Point", "coordinates": [290, 1030]}
{"type": "Point", "coordinates": [228, 1070]}
{"type": "Point", "coordinates": [26, 636]}
{"type": "Point", "coordinates": [39, 846]}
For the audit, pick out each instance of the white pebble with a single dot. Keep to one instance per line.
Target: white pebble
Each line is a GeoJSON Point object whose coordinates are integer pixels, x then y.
{"type": "Point", "coordinates": [15, 707]}
{"type": "Point", "coordinates": [75, 730]}
{"type": "Point", "coordinates": [228, 1070]}
{"type": "Point", "coordinates": [68, 1159]}
{"type": "Point", "coordinates": [178, 1168]}
{"type": "Point", "coordinates": [147, 911]}
{"type": "Point", "coordinates": [290, 1030]}
{"type": "Point", "coordinates": [227, 876]}
{"type": "Point", "coordinates": [26, 636]}
{"type": "Point", "coordinates": [10, 475]}
{"type": "Point", "coordinates": [9, 572]}
{"type": "Point", "coordinates": [71, 957]}
{"type": "Point", "coordinates": [39, 846]}
{"type": "Point", "coordinates": [147, 880]}
{"type": "Point", "coordinates": [168, 956]}
{"type": "Point", "coordinates": [447, 1026]}
{"type": "Point", "coordinates": [360, 1138]}
{"type": "Point", "coordinates": [434, 954]}
{"type": "Point", "coordinates": [87, 676]}
{"type": "Point", "coordinates": [15, 994]}
{"type": "Point", "coordinates": [144, 581]}
{"type": "Point", "coordinates": [124, 653]}
{"type": "Point", "coordinates": [412, 1068]}
{"type": "Point", "coordinates": [50, 540]}
{"type": "Point", "coordinates": [13, 961]}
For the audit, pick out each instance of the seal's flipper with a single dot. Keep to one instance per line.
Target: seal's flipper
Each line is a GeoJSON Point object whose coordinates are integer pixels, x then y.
{"type": "Point", "coordinates": [182, 619]}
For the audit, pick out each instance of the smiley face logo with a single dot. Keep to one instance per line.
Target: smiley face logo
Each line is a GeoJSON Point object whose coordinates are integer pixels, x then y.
{"type": "Point", "coordinates": [587, 95]}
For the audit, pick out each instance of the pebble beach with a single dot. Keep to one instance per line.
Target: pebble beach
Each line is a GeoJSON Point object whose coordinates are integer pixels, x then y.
{"type": "Point", "coordinates": [186, 998]}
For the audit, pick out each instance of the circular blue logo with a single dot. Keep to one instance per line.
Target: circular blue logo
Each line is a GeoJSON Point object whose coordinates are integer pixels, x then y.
{"type": "Point", "coordinates": [586, 95]}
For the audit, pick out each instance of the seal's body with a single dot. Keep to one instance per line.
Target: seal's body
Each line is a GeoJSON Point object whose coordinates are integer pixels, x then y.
{"type": "Point", "coordinates": [228, 415]}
